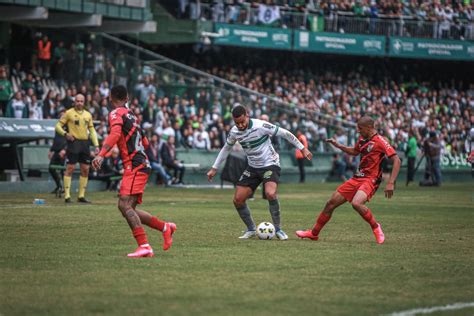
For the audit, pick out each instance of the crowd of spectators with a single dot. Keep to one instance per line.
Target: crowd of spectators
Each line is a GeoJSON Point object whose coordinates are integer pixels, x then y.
{"type": "Point", "coordinates": [199, 118]}
{"type": "Point", "coordinates": [425, 18]}
{"type": "Point", "coordinates": [47, 87]}
{"type": "Point", "coordinates": [399, 103]}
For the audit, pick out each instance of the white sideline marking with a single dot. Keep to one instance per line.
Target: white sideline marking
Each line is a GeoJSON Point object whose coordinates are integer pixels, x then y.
{"type": "Point", "coordinates": [434, 309]}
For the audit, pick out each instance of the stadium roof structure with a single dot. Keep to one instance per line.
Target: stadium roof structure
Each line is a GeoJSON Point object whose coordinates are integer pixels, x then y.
{"type": "Point", "coordinates": [111, 16]}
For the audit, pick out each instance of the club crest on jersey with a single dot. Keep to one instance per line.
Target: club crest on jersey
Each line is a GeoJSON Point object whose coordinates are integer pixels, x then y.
{"type": "Point", "coordinates": [267, 174]}
{"type": "Point", "coordinates": [370, 146]}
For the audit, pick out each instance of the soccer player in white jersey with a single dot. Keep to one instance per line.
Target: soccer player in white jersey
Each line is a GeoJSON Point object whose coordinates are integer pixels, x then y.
{"type": "Point", "coordinates": [264, 165]}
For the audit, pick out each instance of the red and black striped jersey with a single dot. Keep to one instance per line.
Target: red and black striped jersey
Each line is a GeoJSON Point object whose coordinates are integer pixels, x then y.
{"type": "Point", "coordinates": [132, 141]}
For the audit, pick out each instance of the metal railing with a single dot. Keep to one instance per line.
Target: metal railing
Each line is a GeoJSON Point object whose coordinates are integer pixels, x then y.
{"type": "Point", "coordinates": [342, 22]}
{"type": "Point", "coordinates": [175, 78]}
{"type": "Point", "coordinates": [399, 26]}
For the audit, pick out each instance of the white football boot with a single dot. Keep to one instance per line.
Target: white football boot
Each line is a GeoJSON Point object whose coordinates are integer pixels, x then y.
{"type": "Point", "coordinates": [248, 234]}
{"type": "Point", "coordinates": [281, 235]}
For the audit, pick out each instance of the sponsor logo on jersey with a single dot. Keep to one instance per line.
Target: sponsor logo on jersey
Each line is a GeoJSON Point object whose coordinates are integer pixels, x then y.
{"type": "Point", "coordinates": [269, 126]}
{"type": "Point", "coordinates": [384, 141]}
{"type": "Point", "coordinates": [267, 174]}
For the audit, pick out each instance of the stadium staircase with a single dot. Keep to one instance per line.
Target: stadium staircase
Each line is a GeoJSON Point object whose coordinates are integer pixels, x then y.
{"type": "Point", "coordinates": [177, 78]}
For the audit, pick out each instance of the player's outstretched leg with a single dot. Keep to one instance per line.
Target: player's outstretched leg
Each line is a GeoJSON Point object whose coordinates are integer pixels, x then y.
{"type": "Point", "coordinates": [241, 195]}
{"type": "Point", "coordinates": [336, 200]}
{"type": "Point", "coordinates": [358, 203]}
{"type": "Point", "coordinates": [246, 216]}
{"type": "Point", "coordinates": [125, 206]}
{"type": "Point", "coordinates": [166, 228]}
{"type": "Point", "coordinates": [274, 208]}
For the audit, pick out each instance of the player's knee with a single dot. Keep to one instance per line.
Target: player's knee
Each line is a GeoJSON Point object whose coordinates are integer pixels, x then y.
{"type": "Point", "coordinates": [123, 206]}
{"type": "Point", "coordinates": [238, 202]}
{"type": "Point", "coordinates": [271, 196]}
{"type": "Point", "coordinates": [356, 205]}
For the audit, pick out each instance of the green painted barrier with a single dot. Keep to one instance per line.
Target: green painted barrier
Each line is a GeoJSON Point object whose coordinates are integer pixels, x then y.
{"type": "Point", "coordinates": [431, 49]}
{"type": "Point", "coordinates": [339, 43]}
{"type": "Point", "coordinates": [252, 36]}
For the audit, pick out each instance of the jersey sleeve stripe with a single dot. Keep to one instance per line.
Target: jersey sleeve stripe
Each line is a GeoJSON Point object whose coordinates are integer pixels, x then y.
{"type": "Point", "coordinates": [276, 131]}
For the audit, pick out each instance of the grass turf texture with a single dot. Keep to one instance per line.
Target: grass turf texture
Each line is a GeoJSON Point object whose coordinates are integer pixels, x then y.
{"type": "Point", "coordinates": [71, 259]}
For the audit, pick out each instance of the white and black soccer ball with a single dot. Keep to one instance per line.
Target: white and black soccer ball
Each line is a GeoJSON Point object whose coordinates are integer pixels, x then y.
{"type": "Point", "coordinates": [265, 230]}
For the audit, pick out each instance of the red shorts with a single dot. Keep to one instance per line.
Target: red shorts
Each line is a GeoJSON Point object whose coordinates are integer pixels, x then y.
{"type": "Point", "coordinates": [134, 182]}
{"type": "Point", "coordinates": [349, 188]}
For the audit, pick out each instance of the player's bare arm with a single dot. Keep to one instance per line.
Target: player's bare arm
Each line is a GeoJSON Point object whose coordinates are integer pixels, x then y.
{"type": "Point", "coordinates": [109, 143]}
{"type": "Point", "coordinates": [348, 150]}
{"type": "Point", "coordinates": [390, 187]}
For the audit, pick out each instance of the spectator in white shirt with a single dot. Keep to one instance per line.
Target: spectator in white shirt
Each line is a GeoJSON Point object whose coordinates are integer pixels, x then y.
{"type": "Point", "coordinates": [36, 109]}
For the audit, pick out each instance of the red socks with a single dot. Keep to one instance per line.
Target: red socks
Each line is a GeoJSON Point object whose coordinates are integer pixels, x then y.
{"type": "Point", "coordinates": [369, 218]}
{"type": "Point", "coordinates": [140, 236]}
{"type": "Point", "coordinates": [157, 224]}
{"type": "Point", "coordinates": [322, 220]}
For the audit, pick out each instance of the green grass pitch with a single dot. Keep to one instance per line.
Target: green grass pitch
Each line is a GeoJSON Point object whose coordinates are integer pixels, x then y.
{"type": "Point", "coordinates": [61, 259]}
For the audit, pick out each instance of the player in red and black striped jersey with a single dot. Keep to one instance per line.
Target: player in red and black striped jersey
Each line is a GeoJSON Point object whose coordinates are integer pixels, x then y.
{"type": "Point", "coordinates": [125, 132]}
{"type": "Point", "coordinates": [358, 190]}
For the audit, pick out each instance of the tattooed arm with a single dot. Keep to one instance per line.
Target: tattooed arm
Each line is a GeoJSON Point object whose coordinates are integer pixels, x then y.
{"type": "Point", "coordinates": [109, 142]}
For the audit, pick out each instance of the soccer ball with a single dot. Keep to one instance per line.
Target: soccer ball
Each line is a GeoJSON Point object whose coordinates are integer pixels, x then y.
{"type": "Point", "coordinates": [265, 230]}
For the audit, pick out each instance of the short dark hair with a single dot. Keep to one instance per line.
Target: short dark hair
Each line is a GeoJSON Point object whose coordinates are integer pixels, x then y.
{"type": "Point", "coordinates": [366, 121]}
{"type": "Point", "coordinates": [119, 93]}
{"type": "Point", "coordinates": [239, 110]}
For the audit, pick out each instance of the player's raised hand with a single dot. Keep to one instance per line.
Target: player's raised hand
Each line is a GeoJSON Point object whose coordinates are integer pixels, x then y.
{"type": "Point", "coordinates": [97, 162]}
{"type": "Point", "coordinates": [389, 190]}
{"type": "Point", "coordinates": [307, 153]}
{"type": "Point", "coordinates": [331, 141]}
{"type": "Point", "coordinates": [211, 173]}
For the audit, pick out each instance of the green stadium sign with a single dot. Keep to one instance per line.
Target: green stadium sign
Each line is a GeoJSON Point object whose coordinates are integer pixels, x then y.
{"type": "Point", "coordinates": [339, 43]}
{"type": "Point", "coordinates": [432, 49]}
{"type": "Point", "coordinates": [252, 36]}
{"type": "Point", "coordinates": [23, 128]}
{"type": "Point", "coordinates": [456, 161]}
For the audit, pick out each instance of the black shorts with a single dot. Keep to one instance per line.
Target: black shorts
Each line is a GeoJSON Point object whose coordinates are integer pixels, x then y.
{"type": "Point", "coordinates": [252, 177]}
{"type": "Point", "coordinates": [78, 151]}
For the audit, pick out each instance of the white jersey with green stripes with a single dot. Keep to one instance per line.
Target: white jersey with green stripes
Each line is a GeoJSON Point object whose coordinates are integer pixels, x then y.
{"type": "Point", "coordinates": [256, 143]}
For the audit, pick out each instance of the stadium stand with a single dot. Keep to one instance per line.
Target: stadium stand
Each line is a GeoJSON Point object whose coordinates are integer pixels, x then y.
{"type": "Point", "coordinates": [198, 114]}
{"type": "Point", "coordinates": [432, 19]}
